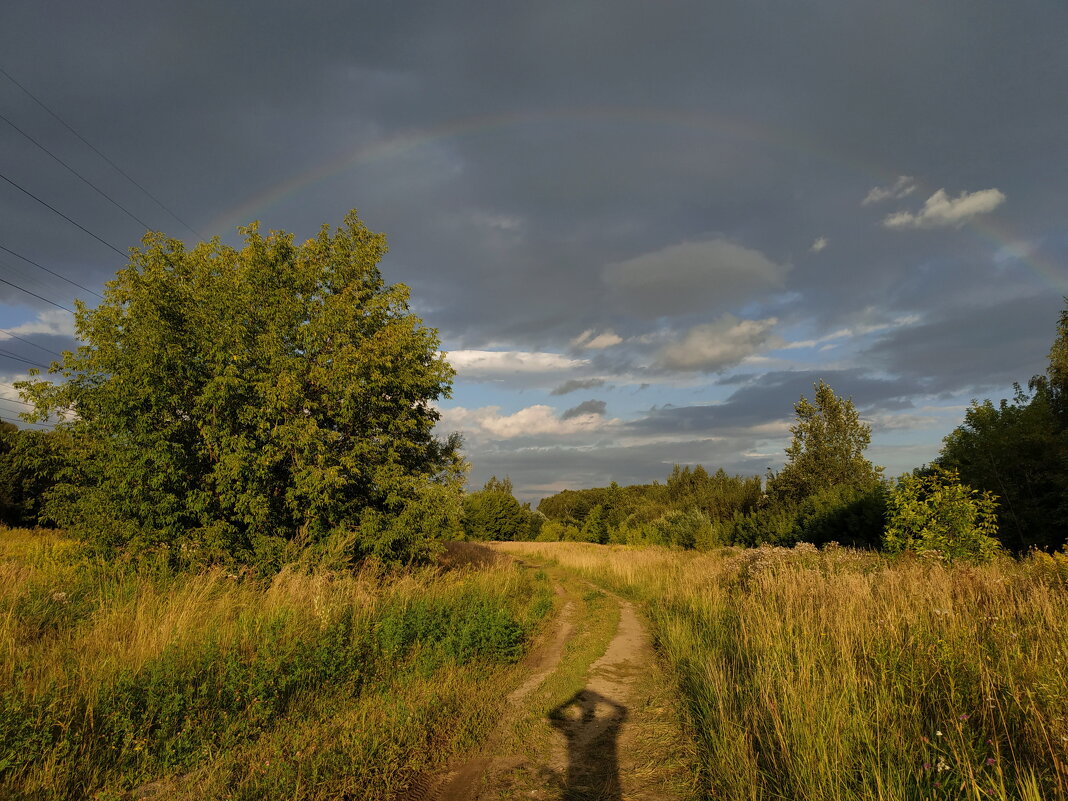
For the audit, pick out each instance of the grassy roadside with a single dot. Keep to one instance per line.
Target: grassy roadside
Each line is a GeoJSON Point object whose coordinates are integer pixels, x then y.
{"type": "Point", "coordinates": [843, 675]}
{"type": "Point", "coordinates": [315, 683]}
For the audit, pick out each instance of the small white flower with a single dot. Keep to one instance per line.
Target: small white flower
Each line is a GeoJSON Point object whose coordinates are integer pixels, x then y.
{"type": "Point", "coordinates": [938, 734]}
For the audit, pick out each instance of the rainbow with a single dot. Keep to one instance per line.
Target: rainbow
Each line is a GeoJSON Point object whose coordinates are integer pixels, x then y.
{"type": "Point", "coordinates": [723, 127]}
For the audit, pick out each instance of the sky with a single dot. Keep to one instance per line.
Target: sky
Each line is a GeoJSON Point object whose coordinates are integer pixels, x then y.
{"type": "Point", "coordinates": [642, 230]}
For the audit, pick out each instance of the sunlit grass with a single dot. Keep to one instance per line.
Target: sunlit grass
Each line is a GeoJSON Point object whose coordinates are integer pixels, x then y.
{"type": "Point", "coordinates": [846, 675]}
{"type": "Point", "coordinates": [313, 683]}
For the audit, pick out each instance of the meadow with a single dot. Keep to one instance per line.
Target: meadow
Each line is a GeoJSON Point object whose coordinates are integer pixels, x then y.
{"type": "Point", "coordinates": [121, 681]}
{"type": "Point", "coordinates": [826, 674]}
{"type": "Point", "coordinates": [841, 675]}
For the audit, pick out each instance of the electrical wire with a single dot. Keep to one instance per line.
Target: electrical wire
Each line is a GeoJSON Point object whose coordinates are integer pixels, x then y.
{"type": "Point", "coordinates": [50, 272]}
{"type": "Point", "coordinates": [39, 297]}
{"type": "Point", "coordinates": [8, 354]}
{"type": "Point", "coordinates": [7, 333]}
{"type": "Point", "coordinates": [45, 426]}
{"type": "Point", "coordinates": [61, 214]}
{"type": "Point", "coordinates": [78, 175]}
{"type": "Point", "coordinates": [85, 142]}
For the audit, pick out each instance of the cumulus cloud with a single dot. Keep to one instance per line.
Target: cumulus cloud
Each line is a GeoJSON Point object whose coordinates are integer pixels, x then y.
{"type": "Point", "coordinates": [712, 347]}
{"type": "Point", "coordinates": [597, 407]}
{"type": "Point", "coordinates": [489, 363]}
{"type": "Point", "coordinates": [575, 384]}
{"type": "Point", "coordinates": [820, 244]}
{"type": "Point", "coordinates": [55, 322]}
{"type": "Point", "coordinates": [692, 276]}
{"type": "Point", "coordinates": [904, 186]}
{"type": "Point", "coordinates": [533, 421]}
{"type": "Point", "coordinates": [943, 211]}
{"type": "Point", "coordinates": [588, 341]}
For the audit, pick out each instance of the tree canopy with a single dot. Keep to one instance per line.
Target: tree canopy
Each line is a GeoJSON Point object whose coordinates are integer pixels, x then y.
{"type": "Point", "coordinates": [1018, 450]}
{"type": "Point", "coordinates": [827, 449]}
{"type": "Point", "coordinates": [231, 401]}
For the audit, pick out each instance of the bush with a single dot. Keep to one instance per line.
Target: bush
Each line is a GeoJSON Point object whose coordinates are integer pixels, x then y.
{"type": "Point", "coordinates": [933, 512]}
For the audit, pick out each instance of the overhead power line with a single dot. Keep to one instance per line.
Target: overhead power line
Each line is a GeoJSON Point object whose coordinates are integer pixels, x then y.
{"type": "Point", "coordinates": [64, 216]}
{"type": "Point", "coordinates": [51, 272]}
{"type": "Point", "coordinates": [46, 426]}
{"type": "Point", "coordinates": [81, 177]}
{"type": "Point", "coordinates": [85, 142]}
{"type": "Point", "coordinates": [39, 297]}
{"type": "Point", "coordinates": [9, 355]}
{"type": "Point", "coordinates": [13, 335]}
{"type": "Point", "coordinates": [13, 400]}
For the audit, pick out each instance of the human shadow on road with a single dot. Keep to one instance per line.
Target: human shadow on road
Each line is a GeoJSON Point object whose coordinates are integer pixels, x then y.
{"type": "Point", "coordinates": [590, 722]}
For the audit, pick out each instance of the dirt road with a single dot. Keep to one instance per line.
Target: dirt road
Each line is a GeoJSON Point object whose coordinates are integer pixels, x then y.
{"type": "Point", "coordinates": [592, 719]}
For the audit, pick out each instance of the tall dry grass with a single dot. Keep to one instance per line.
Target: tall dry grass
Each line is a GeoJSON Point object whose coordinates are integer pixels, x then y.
{"type": "Point", "coordinates": [846, 675]}
{"type": "Point", "coordinates": [315, 683]}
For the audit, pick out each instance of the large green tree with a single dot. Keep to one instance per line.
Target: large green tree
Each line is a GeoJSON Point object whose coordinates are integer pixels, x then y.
{"type": "Point", "coordinates": [30, 463]}
{"type": "Point", "coordinates": [827, 449]}
{"type": "Point", "coordinates": [1018, 450]}
{"type": "Point", "coordinates": [493, 513]}
{"type": "Point", "coordinates": [235, 402]}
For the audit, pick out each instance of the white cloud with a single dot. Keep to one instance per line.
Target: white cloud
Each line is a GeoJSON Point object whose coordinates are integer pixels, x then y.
{"type": "Point", "coordinates": [901, 188]}
{"type": "Point", "coordinates": [713, 347]}
{"type": "Point", "coordinates": [587, 341]}
{"type": "Point", "coordinates": [487, 363]}
{"type": "Point", "coordinates": [692, 276]}
{"type": "Point", "coordinates": [820, 244]}
{"type": "Point", "coordinates": [859, 330]}
{"type": "Point", "coordinates": [533, 421]}
{"type": "Point", "coordinates": [943, 211]}
{"type": "Point", "coordinates": [54, 322]}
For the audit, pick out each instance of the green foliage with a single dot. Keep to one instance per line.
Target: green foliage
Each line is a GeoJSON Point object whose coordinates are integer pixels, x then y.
{"type": "Point", "coordinates": [931, 511]}
{"type": "Point", "coordinates": [827, 449]}
{"type": "Point", "coordinates": [719, 495]}
{"type": "Point", "coordinates": [595, 528]}
{"type": "Point", "coordinates": [493, 513]}
{"type": "Point", "coordinates": [30, 465]}
{"type": "Point", "coordinates": [1019, 451]}
{"type": "Point", "coordinates": [229, 402]}
{"type": "Point", "coordinates": [242, 661]}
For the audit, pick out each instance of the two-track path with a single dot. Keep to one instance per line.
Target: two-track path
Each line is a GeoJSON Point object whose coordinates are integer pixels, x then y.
{"type": "Point", "coordinates": [592, 717]}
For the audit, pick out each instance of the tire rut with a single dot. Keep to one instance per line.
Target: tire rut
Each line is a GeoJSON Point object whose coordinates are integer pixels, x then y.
{"type": "Point", "coordinates": [597, 749]}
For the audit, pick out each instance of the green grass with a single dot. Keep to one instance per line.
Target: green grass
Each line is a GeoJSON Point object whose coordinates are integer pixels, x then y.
{"type": "Point", "coordinates": [312, 684]}
{"type": "Point", "coordinates": [840, 675]}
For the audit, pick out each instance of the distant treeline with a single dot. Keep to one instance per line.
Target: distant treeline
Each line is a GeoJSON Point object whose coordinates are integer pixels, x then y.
{"type": "Point", "coordinates": [1001, 480]}
{"type": "Point", "coordinates": [127, 479]}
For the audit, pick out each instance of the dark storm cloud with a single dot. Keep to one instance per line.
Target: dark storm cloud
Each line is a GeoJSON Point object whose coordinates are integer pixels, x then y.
{"type": "Point", "coordinates": [545, 169]}
{"type": "Point", "coordinates": [973, 349]}
{"type": "Point", "coordinates": [771, 397]}
{"type": "Point", "coordinates": [579, 122]}
{"type": "Point", "coordinates": [575, 384]}
{"type": "Point", "coordinates": [586, 407]}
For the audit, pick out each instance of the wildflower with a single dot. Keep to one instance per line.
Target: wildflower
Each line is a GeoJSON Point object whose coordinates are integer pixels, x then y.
{"type": "Point", "coordinates": [990, 760]}
{"type": "Point", "coordinates": [926, 765]}
{"type": "Point", "coordinates": [964, 717]}
{"type": "Point", "coordinates": [938, 733]}
{"type": "Point", "coordinates": [942, 765]}
{"type": "Point", "coordinates": [938, 784]}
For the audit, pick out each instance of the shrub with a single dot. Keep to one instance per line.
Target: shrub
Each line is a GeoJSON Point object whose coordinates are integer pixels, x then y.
{"type": "Point", "coordinates": [933, 512]}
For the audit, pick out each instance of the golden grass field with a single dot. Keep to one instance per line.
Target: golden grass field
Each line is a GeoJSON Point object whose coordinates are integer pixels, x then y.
{"type": "Point", "coordinates": [802, 674]}
{"type": "Point", "coordinates": [840, 674]}
{"type": "Point", "coordinates": [315, 684]}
